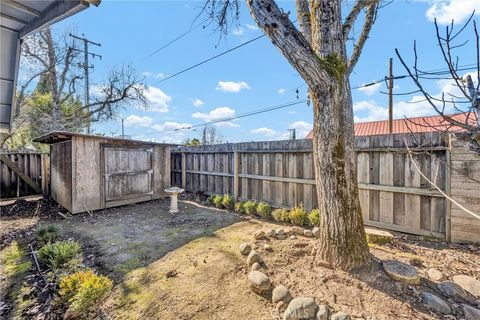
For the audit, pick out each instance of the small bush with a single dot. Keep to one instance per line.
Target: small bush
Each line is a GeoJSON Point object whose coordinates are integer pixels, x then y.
{"type": "Point", "coordinates": [83, 289]}
{"type": "Point", "coordinates": [227, 202]}
{"type": "Point", "coordinates": [264, 210]}
{"type": "Point", "coordinates": [250, 207]}
{"type": "Point", "coordinates": [61, 255]}
{"type": "Point", "coordinates": [47, 234]}
{"type": "Point", "coordinates": [298, 216]}
{"type": "Point", "coordinates": [239, 207]}
{"type": "Point", "coordinates": [209, 200]}
{"type": "Point", "coordinates": [314, 217]}
{"type": "Point", "coordinates": [281, 215]}
{"type": "Point", "coordinates": [217, 201]}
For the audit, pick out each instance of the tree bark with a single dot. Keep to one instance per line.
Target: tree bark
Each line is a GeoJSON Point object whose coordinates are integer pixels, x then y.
{"type": "Point", "coordinates": [322, 63]}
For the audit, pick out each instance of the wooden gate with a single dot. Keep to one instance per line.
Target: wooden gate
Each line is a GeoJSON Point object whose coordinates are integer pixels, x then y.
{"type": "Point", "coordinates": [127, 175]}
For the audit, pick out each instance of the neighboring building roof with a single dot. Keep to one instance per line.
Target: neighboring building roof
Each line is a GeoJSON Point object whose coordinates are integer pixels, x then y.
{"type": "Point", "coordinates": [18, 19]}
{"type": "Point", "coordinates": [415, 125]}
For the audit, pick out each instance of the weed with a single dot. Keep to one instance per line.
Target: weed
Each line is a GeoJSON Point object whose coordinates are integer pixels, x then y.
{"type": "Point", "coordinates": [218, 201]}
{"type": "Point", "coordinates": [314, 217]}
{"type": "Point", "coordinates": [61, 255]}
{"type": "Point", "coordinates": [47, 234]}
{"type": "Point", "coordinates": [264, 210]}
{"type": "Point", "coordinates": [298, 216]}
{"type": "Point", "coordinates": [250, 207]}
{"type": "Point", "coordinates": [281, 215]}
{"type": "Point", "coordinates": [227, 202]}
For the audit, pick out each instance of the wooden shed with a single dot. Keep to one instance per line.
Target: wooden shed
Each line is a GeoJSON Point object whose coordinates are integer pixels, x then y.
{"type": "Point", "coordinates": [90, 172]}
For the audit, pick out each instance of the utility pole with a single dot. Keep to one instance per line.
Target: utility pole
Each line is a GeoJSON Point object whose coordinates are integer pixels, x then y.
{"type": "Point", "coordinates": [390, 97]}
{"type": "Point", "coordinates": [123, 131]}
{"type": "Point", "coordinates": [293, 134]}
{"type": "Point", "coordinates": [86, 66]}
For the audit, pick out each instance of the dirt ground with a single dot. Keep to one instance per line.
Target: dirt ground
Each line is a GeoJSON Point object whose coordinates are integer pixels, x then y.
{"type": "Point", "coordinates": [188, 266]}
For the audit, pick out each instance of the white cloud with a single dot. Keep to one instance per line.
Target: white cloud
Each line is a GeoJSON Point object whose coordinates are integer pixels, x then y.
{"type": "Point", "coordinates": [251, 27]}
{"type": "Point", "coordinates": [134, 120]}
{"type": "Point", "coordinates": [147, 74]}
{"type": "Point", "coordinates": [215, 114]}
{"type": "Point", "coordinates": [282, 91]}
{"type": "Point", "coordinates": [302, 128]}
{"type": "Point", "coordinates": [370, 90]}
{"type": "Point", "coordinates": [267, 132]}
{"type": "Point", "coordinates": [291, 112]}
{"type": "Point", "coordinates": [238, 31]}
{"type": "Point", "coordinates": [227, 124]}
{"type": "Point", "coordinates": [158, 99]}
{"type": "Point", "coordinates": [198, 103]}
{"type": "Point", "coordinates": [370, 110]}
{"type": "Point", "coordinates": [232, 86]}
{"type": "Point", "coordinates": [446, 10]}
{"type": "Point", "coordinates": [170, 126]}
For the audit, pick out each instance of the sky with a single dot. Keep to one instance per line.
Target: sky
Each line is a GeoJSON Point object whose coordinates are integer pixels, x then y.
{"type": "Point", "coordinates": [255, 76]}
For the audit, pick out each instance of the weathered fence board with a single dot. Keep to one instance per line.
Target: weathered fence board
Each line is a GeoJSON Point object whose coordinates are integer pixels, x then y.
{"type": "Point", "coordinates": [23, 173]}
{"type": "Point", "coordinates": [392, 192]}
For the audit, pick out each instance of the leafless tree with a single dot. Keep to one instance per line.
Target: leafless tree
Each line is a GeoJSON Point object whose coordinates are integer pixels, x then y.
{"type": "Point", "coordinates": [210, 135]}
{"type": "Point", "coordinates": [317, 50]}
{"type": "Point", "coordinates": [460, 110]}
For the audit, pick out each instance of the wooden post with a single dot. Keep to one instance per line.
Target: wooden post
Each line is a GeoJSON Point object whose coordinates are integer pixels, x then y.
{"type": "Point", "coordinates": [45, 173]}
{"type": "Point", "coordinates": [236, 162]}
{"type": "Point", "coordinates": [448, 203]}
{"type": "Point", "coordinates": [184, 170]}
{"type": "Point", "coordinates": [390, 97]}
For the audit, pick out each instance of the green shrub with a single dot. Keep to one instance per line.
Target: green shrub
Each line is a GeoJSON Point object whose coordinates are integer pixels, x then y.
{"type": "Point", "coordinates": [61, 255]}
{"type": "Point", "coordinates": [47, 234]}
{"type": "Point", "coordinates": [264, 210]}
{"type": "Point", "coordinates": [250, 207]}
{"type": "Point", "coordinates": [83, 289]}
{"type": "Point", "coordinates": [209, 200]}
{"type": "Point", "coordinates": [314, 217]}
{"type": "Point", "coordinates": [298, 216]}
{"type": "Point", "coordinates": [281, 215]}
{"type": "Point", "coordinates": [239, 207]}
{"type": "Point", "coordinates": [227, 202]}
{"type": "Point", "coordinates": [217, 201]}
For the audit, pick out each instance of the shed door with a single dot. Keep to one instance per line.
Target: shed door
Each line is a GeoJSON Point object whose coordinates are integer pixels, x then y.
{"type": "Point", "coordinates": [128, 175]}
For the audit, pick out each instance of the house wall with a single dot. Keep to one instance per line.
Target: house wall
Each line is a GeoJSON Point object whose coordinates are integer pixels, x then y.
{"type": "Point", "coordinates": [465, 189]}
{"type": "Point", "coordinates": [61, 173]}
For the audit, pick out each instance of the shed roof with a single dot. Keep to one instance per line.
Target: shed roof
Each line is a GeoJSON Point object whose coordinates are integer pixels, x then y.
{"type": "Point", "coordinates": [415, 125]}
{"type": "Point", "coordinates": [59, 136]}
{"type": "Point", "coordinates": [19, 18]}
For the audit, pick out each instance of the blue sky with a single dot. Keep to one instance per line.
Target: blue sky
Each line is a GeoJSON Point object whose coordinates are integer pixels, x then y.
{"type": "Point", "coordinates": [255, 76]}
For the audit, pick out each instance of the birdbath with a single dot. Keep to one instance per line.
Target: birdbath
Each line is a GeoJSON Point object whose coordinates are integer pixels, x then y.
{"type": "Point", "coordinates": [174, 192]}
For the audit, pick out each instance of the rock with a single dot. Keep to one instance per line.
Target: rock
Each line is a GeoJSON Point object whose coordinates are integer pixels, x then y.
{"type": "Point", "coordinates": [322, 313]}
{"type": "Point", "coordinates": [298, 231]}
{"type": "Point", "coordinates": [259, 281]}
{"type": "Point", "coordinates": [268, 248]}
{"type": "Point", "coordinates": [378, 236]}
{"type": "Point", "coordinates": [452, 290]}
{"type": "Point", "coordinates": [471, 313]}
{"type": "Point", "coordinates": [253, 257]}
{"type": "Point", "coordinates": [300, 308]}
{"type": "Point", "coordinates": [435, 274]}
{"type": "Point", "coordinates": [401, 272]}
{"type": "Point", "coordinates": [316, 232]}
{"type": "Point", "coordinates": [281, 235]}
{"type": "Point", "coordinates": [340, 316]}
{"type": "Point", "coordinates": [289, 232]}
{"type": "Point", "coordinates": [281, 293]}
{"type": "Point", "coordinates": [259, 235]}
{"type": "Point", "coordinates": [468, 283]}
{"type": "Point", "coordinates": [435, 303]}
{"type": "Point", "coordinates": [281, 306]}
{"type": "Point", "coordinates": [256, 266]}
{"type": "Point", "coordinates": [245, 248]}
{"type": "Point", "coordinates": [293, 237]}
{"type": "Point", "coordinates": [271, 233]}
{"type": "Point", "coordinates": [308, 233]}
{"type": "Point", "coordinates": [279, 231]}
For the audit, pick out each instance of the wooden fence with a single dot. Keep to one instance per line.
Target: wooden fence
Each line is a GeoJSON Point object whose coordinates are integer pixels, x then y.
{"type": "Point", "coordinates": [393, 193]}
{"type": "Point", "coordinates": [23, 173]}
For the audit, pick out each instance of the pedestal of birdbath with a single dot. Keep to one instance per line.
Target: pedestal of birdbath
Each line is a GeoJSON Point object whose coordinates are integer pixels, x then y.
{"type": "Point", "coordinates": [173, 192]}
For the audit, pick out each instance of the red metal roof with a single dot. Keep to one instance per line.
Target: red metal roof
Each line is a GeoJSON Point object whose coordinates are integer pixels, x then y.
{"type": "Point", "coordinates": [417, 124]}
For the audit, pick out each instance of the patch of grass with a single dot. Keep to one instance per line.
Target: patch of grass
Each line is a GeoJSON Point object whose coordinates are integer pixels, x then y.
{"type": "Point", "coordinates": [250, 207]}
{"type": "Point", "coordinates": [239, 207]}
{"type": "Point", "coordinates": [298, 216]}
{"type": "Point", "coordinates": [82, 290]}
{"type": "Point", "coordinates": [14, 260]}
{"type": "Point", "coordinates": [281, 215]}
{"type": "Point", "coordinates": [61, 255]}
{"type": "Point", "coordinates": [314, 217]}
{"type": "Point", "coordinates": [264, 210]}
{"type": "Point", "coordinates": [227, 202]}
{"type": "Point", "coordinates": [218, 201]}
{"type": "Point", "coordinates": [47, 234]}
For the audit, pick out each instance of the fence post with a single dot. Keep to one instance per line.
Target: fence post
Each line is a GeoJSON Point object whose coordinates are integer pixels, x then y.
{"type": "Point", "coordinates": [184, 170]}
{"type": "Point", "coordinates": [448, 191]}
{"type": "Point", "coordinates": [45, 173]}
{"type": "Point", "coordinates": [235, 175]}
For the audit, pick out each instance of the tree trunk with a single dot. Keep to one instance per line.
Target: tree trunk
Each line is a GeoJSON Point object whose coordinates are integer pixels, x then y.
{"type": "Point", "coordinates": [322, 64]}
{"type": "Point", "coordinates": [52, 76]}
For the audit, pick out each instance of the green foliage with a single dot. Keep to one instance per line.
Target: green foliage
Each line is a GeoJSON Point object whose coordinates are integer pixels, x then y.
{"type": "Point", "coordinates": [192, 143]}
{"type": "Point", "coordinates": [250, 207]}
{"type": "Point", "coordinates": [14, 261]}
{"type": "Point", "coordinates": [334, 65]}
{"type": "Point", "coordinates": [218, 201]}
{"type": "Point", "coordinates": [314, 217]}
{"type": "Point", "coordinates": [264, 210]}
{"type": "Point", "coordinates": [281, 215]}
{"type": "Point", "coordinates": [82, 290]}
{"type": "Point", "coordinates": [61, 255]}
{"type": "Point", "coordinates": [298, 216]}
{"type": "Point", "coordinates": [239, 207]}
{"type": "Point", "coordinates": [47, 234]}
{"type": "Point", "coordinates": [227, 202]}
